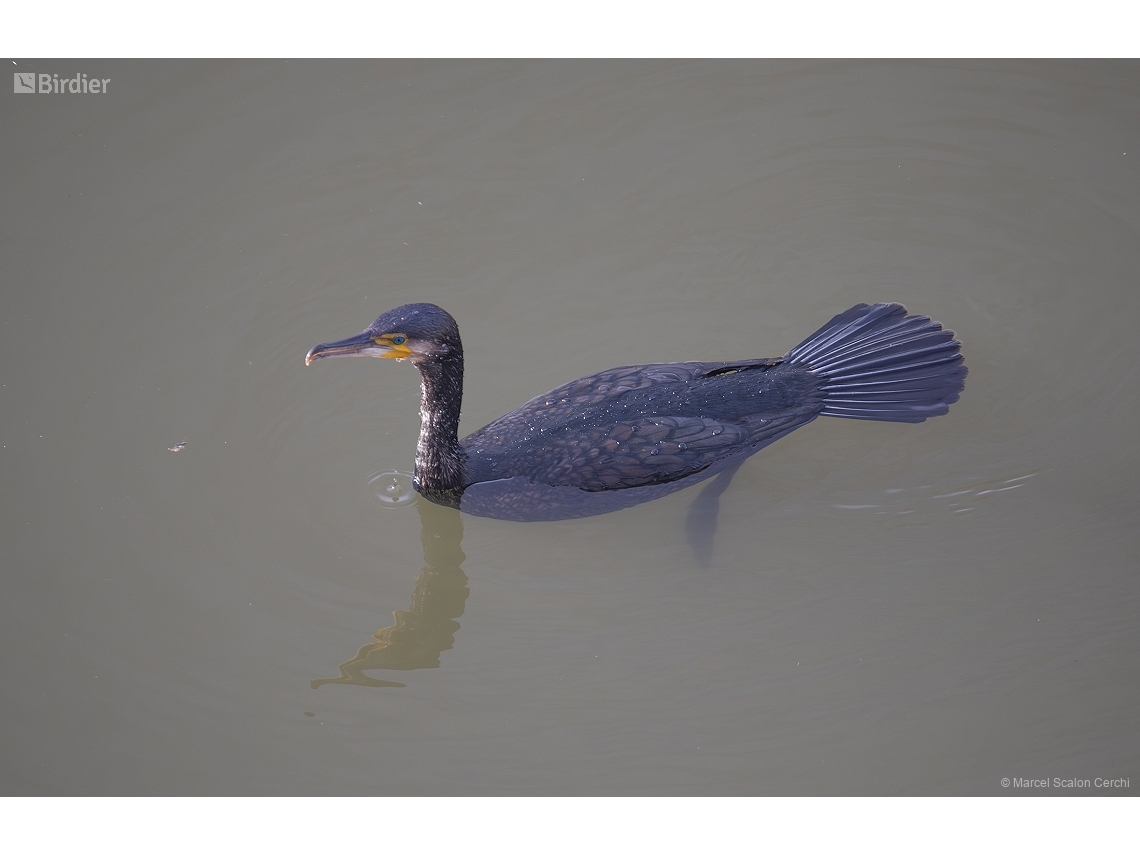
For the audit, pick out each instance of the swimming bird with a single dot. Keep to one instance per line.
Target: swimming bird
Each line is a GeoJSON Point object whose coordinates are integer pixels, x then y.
{"type": "Point", "coordinates": [631, 434]}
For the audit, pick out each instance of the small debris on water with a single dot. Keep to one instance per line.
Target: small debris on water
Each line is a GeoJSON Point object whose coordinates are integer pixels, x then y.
{"type": "Point", "coordinates": [177, 447]}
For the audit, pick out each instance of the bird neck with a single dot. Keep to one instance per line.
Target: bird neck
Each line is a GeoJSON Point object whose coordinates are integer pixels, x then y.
{"type": "Point", "coordinates": [440, 461]}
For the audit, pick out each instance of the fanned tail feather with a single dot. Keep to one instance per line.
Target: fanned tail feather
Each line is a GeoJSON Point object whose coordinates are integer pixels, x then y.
{"type": "Point", "coordinates": [885, 365]}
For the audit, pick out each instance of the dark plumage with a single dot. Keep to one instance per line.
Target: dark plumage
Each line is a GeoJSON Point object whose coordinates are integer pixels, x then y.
{"type": "Point", "coordinates": [628, 435]}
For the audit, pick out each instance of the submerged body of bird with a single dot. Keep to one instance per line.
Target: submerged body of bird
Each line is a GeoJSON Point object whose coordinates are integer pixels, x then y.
{"type": "Point", "coordinates": [629, 435]}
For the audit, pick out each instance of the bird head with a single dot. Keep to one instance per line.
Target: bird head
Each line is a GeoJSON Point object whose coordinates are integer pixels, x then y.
{"type": "Point", "coordinates": [417, 331]}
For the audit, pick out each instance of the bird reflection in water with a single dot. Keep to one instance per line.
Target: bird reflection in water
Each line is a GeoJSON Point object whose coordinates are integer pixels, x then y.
{"type": "Point", "coordinates": [427, 627]}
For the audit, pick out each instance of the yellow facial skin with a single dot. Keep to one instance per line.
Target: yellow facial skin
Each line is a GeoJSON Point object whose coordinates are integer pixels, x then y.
{"type": "Point", "coordinates": [397, 344]}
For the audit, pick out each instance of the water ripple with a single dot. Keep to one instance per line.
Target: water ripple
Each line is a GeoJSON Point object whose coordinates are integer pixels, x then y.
{"type": "Point", "coordinates": [392, 488]}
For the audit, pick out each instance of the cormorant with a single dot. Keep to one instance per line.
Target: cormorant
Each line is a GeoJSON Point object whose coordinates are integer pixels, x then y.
{"type": "Point", "coordinates": [628, 435]}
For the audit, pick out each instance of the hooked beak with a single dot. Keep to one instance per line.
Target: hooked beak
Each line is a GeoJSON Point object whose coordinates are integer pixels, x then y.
{"type": "Point", "coordinates": [359, 345]}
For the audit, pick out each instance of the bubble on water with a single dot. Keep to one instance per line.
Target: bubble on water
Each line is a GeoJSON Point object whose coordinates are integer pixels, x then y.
{"type": "Point", "coordinates": [392, 488]}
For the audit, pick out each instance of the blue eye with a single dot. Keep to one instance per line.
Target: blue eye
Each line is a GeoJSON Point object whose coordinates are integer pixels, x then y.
{"type": "Point", "coordinates": [398, 339]}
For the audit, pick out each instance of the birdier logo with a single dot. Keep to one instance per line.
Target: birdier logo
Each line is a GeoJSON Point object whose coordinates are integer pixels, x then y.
{"type": "Point", "coordinates": [30, 82]}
